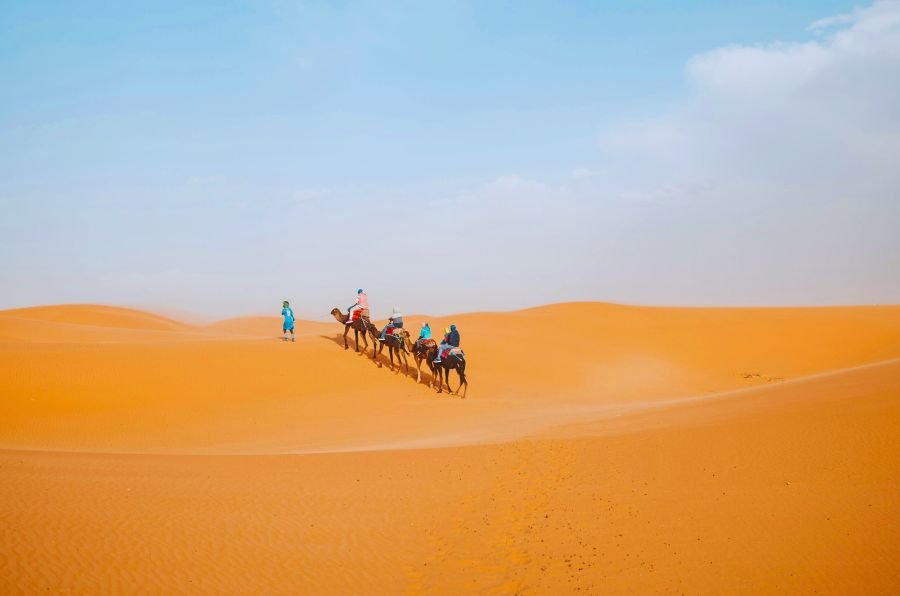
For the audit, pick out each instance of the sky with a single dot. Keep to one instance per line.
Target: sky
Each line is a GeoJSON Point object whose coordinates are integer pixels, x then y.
{"type": "Point", "coordinates": [219, 157]}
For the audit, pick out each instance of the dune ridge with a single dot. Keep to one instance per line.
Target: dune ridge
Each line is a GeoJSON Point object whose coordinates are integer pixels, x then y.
{"type": "Point", "coordinates": [232, 387]}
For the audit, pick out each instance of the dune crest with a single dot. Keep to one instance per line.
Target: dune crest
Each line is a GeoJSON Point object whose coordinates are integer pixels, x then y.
{"type": "Point", "coordinates": [95, 315]}
{"type": "Point", "coordinates": [119, 380]}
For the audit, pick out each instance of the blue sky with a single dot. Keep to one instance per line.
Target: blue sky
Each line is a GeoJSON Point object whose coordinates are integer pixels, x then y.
{"type": "Point", "coordinates": [220, 156]}
{"type": "Point", "coordinates": [303, 93]}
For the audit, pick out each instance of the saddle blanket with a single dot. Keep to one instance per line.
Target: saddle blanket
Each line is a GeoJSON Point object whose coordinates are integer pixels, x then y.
{"type": "Point", "coordinates": [453, 352]}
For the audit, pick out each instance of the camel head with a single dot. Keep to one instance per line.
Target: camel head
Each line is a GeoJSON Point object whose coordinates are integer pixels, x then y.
{"type": "Point", "coordinates": [337, 314]}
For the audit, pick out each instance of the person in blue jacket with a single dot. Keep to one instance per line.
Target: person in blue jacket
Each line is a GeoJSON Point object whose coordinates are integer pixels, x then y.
{"type": "Point", "coordinates": [451, 341]}
{"type": "Point", "coordinates": [425, 332]}
{"type": "Point", "coordinates": [288, 325]}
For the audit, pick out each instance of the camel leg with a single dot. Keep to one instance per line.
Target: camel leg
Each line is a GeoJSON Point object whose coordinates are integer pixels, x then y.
{"type": "Point", "coordinates": [393, 349]}
{"type": "Point", "coordinates": [418, 370]}
{"type": "Point", "coordinates": [463, 382]}
{"type": "Point", "coordinates": [346, 331]}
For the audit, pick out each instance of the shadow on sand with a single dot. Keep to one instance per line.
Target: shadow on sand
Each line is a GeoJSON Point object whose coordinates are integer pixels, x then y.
{"type": "Point", "coordinates": [382, 360]}
{"type": "Point", "coordinates": [338, 339]}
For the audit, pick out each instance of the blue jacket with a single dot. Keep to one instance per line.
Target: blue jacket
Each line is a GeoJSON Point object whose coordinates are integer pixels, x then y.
{"type": "Point", "coordinates": [453, 339]}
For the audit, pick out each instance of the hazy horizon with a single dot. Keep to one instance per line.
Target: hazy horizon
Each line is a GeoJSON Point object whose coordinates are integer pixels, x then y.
{"type": "Point", "coordinates": [217, 159]}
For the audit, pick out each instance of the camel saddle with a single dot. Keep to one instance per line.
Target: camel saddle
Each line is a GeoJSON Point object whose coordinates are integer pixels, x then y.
{"type": "Point", "coordinates": [426, 343]}
{"type": "Point", "coordinates": [453, 352]}
{"type": "Point", "coordinates": [361, 313]}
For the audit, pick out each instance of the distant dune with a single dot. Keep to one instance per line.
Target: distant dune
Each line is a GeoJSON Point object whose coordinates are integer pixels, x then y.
{"type": "Point", "coordinates": [601, 448]}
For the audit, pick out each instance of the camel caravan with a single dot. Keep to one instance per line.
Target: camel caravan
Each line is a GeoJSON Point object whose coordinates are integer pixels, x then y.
{"type": "Point", "coordinates": [441, 357]}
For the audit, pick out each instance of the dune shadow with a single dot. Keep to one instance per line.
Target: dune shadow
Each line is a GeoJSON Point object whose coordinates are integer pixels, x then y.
{"type": "Point", "coordinates": [338, 339]}
{"type": "Point", "coordinates": [383, 359]}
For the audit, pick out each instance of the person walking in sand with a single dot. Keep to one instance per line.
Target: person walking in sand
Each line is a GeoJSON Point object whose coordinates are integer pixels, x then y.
{"type": "Point", "coordinates": [361, 304]}
{"type": "Point", "coordinates": [288, 325]}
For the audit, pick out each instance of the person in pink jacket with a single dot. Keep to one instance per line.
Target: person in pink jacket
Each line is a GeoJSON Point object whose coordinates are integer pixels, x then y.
{"type": "Point", "coordinates": [362, 304]}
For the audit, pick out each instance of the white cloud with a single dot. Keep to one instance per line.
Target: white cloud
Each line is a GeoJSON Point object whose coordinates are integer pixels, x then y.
{"type": "Point", "coordinates": [830, 22]}
{"type": "Point", "coordinates": [823, 116]}
{"type": "Point", "coordinates": [783, 163]}
{"type": "Point", "coordinates": [208, 181]}
{"type": "Point", "coordinates": [308, 194]}
{"type": "Point", "coordinates": [515, 185]}
{"type": "Point", "coordinates": [669, 193]}
{"type": "Point", "coordinates": [509, 189]}
{"type": "Point", "coordinates": [582, 172]}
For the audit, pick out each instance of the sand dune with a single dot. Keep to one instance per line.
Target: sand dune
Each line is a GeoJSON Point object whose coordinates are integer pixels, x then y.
{"type": "Point", "coordinates": [147, 384]}
{"type": "Point", "coordinates": [603, 448]}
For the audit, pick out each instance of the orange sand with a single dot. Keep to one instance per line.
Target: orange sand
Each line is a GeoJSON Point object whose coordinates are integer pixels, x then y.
{"type": "Point", "coordinates": [629, 449]}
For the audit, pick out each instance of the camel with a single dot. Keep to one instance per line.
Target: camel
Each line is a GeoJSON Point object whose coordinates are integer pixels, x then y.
{"type": "Point", "coordinates": [398, 342]}
{"type": "Point", "coordinates": [361, 325]}
{"type": "Point", "coordinates": [424, 350]}
{"type": "Point", "coordinates": [445, 366]}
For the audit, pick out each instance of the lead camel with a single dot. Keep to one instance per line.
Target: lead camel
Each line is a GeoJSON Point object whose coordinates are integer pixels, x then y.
{"type": "Point", "coordinates": [361, 325]}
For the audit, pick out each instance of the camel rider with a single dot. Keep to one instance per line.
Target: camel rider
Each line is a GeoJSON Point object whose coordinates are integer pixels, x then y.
{"type": "Point", "coordinates": [362, 304]}
{"type": "Point", "coordinates": [451, 340]}
{"type": "Point", "coordinates": [395, 321]}
{"type": "Point", "coordinates": [288, 325]}
{"type": "Point", "coordinates": [425, 332]}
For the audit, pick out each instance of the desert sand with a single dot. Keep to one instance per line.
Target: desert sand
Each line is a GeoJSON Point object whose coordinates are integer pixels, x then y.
{"type": "Point", "coordinates": [601, 449]}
